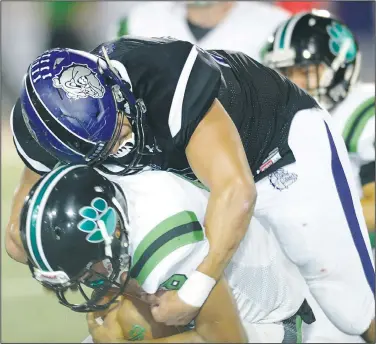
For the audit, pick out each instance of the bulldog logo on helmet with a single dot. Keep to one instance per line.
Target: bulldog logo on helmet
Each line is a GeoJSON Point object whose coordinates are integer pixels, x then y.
{"type": "Point", "coordinates": [79, 81]}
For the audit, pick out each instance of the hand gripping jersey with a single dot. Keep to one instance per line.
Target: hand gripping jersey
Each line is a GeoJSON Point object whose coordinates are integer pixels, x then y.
{"type": "Point", "coordinates": [234, 32]}
{"type": "Point", "coordinates": [355, 117]}
{"type": "Point", "coordinates": [167, 243]}
{"type": "Point", "coordinates": [178, 83]}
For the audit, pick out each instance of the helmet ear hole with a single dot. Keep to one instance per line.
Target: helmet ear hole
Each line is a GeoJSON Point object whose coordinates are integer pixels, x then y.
{"type": "Point", "coordinates": [57, 231]}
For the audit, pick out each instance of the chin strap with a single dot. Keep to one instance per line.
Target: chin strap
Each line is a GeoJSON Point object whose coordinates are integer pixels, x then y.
{"type": "Point", "coordinates": [106, 237]}
{"type": "Point", "coordinates": [109, 64]}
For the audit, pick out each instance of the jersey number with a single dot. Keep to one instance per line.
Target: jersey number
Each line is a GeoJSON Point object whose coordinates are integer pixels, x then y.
{"type": "Point", "coordinates": [175, 282]}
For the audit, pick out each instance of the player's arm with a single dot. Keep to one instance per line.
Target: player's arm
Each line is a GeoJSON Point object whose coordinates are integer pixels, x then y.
{"type": "Point", "coordinates": [37, 162]}
{"type": "Point", "coordinates": [367, 177]}
{"type": "Point", "coordinates": [216, 155]}
{"type": "Point", "coordinates": [199, 125]}
{"type": "Point", "coordinates": [13, 244]}
{"type": "Point", "coordinates": [368, 205]}
{"type": "Point", "coordinates": [218, 321]}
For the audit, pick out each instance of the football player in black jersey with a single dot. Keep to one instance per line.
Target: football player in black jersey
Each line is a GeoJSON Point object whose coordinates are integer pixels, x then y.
{"type": "Point", "coordinates": [136, 103]}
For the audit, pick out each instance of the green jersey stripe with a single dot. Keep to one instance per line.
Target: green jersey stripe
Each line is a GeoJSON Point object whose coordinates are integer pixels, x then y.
{"type": "Point", "coordinates": [181, 236]}
{"type": "Point", "coordinates": [358, 129]}
{"type": "Point", "coordinates": [176, 220]}
{"type": "Point", "coordinates": [34, 216]}
{"type": "Point", "coordinates": [358, 112]}
{"type": "Point", "coordinates": [160, 241]}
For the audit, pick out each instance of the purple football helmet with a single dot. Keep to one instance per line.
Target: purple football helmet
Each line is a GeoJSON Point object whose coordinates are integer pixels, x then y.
{"type": "Point", "coordinates": [74, 104]}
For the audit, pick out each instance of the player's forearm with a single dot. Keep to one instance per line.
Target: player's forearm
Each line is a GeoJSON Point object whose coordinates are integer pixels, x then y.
{"type": "Point", "coordinates": [14, 251]}
{"type": "Point", "coordinates": [227, 219]}
{"type": "Point", "coordinates": [13, 243]}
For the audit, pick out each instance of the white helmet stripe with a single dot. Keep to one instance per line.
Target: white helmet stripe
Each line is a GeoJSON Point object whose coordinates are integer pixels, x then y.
{"type": "Point", "coordinates": [356, 72]}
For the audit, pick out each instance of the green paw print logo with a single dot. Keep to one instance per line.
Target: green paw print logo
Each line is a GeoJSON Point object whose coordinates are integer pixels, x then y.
{"type": "Point", "coordinates": [98, 210]}
{"type": "Point", "coordinates": [338, 35]}
{"type": "Point", "coordinates": [136, 333]}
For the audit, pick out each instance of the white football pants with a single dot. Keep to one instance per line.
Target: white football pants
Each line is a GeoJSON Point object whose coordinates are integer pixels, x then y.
{"type": "Point", "coordinates": [313, 208]}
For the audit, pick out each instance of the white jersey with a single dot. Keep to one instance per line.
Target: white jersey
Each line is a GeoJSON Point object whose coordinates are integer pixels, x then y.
{"type": "Point", "coordinates": [355, 117]}
{"type": "Point", "coordinates": [246, 27]}
{"type": "Point", "coordinates": [168, 242]}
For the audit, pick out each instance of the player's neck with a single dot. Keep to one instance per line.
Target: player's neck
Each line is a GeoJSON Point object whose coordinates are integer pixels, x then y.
{"type": "Point", "coordinates": [209, 16]}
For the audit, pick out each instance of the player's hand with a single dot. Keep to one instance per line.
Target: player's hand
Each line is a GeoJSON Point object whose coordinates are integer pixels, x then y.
{"type": "Point", "coordinates": [172, 311]}
{"type": "Point", "coordinates": [103, 332]}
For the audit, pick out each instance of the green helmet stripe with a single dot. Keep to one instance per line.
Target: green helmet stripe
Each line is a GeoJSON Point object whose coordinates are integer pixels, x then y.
{"type": "Point", "coordinates": [31, 221]}
{"type": "Point", "coordinates": [357, 122]}
{"type": "Point", "coordinates": [282, 41]}
{"type": "Point", "coordinates": [280, 36]}
{"type": "Point", "coordinates": [35, 214]}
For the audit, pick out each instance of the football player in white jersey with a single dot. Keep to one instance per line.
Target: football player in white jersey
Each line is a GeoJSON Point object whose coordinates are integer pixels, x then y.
{"type": "Point", "coordinates": [151, 225]}
{"type": "Point", "coordinates": [209, 24]}
{"type": "Point", "coordinates": [320, 54]}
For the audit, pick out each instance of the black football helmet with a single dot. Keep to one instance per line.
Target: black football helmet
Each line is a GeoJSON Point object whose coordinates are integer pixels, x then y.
{"type": "Point", "coordinates": [74, 229]}
{"type": "Point", "coordinates": [316, 39]}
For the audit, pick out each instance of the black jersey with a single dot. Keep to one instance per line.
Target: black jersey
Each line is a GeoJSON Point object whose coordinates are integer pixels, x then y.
{"type": "Point", "coordinates": [178, 83]}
